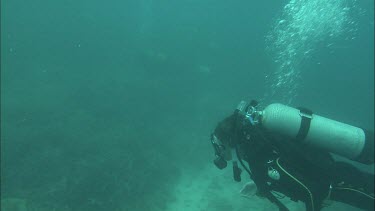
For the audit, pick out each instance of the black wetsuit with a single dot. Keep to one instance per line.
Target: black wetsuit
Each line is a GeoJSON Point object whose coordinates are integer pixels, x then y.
{"type": "Point", "coordinates": [306, 174]}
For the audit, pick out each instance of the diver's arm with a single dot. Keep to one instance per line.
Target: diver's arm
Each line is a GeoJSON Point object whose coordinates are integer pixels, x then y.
{"type": "Point", "coordinates": [276, 201]}
{"type": "Point", "coordinates": [264, 190]}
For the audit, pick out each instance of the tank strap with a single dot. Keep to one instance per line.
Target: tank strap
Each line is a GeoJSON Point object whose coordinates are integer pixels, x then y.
{"type": "Point", "coordinates": [306, 115]}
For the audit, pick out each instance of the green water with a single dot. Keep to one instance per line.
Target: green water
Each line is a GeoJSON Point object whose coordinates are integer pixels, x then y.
{"type": "Point", "coordinates": [103, 103]}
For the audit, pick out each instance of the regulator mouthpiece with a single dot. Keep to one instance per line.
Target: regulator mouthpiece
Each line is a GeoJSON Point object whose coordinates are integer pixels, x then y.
{"type": "Point", "coordinates": [220, 162]}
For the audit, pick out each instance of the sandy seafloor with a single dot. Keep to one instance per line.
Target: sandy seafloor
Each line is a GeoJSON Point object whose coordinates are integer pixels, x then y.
{"type": "Point", "coordinates": [212, 189]}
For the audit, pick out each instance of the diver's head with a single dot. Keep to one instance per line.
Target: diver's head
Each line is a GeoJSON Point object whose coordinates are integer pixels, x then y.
{"type": "Point", "coordinates": [227, 134]}
{"type": "Point", "coordinates": [223, 141]}
{"type": "Point", "coordinates": [222, 152]}
{"type": "Point", "coordinates": [225, 130]}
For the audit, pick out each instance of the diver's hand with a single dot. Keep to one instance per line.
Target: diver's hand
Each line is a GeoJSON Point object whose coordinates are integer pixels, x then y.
{"type": "Point", "coordinates": [249, 190]}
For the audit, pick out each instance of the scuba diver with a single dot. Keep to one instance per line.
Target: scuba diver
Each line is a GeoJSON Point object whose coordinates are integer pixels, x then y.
{"type": "Point", "coordinates": [288, 152]}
